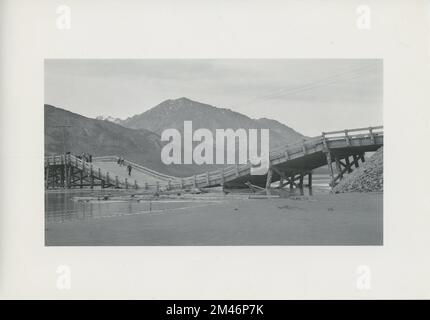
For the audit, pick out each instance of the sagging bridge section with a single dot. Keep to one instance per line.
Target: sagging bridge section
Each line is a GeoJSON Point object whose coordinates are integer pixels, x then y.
{"type": "Point", "coordinates": [341, 150]}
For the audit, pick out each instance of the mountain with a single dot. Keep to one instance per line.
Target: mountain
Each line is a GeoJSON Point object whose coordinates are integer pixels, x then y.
{"type": "Point", "coordinates": [138, 138]}
{"type": "Point", "coordinates": [109, 118]}
{"type": "Point", "coordinates": [102, 138]}
{"type": "Point", "coordinates": [173, 113]}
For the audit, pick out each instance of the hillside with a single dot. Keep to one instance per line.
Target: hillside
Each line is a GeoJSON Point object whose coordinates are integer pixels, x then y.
{"type": "Point", "coordinates": [101, 138]}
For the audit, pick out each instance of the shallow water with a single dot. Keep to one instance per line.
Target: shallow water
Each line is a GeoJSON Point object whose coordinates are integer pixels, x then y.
{"type": "Point", "coordinates": [68, 205]}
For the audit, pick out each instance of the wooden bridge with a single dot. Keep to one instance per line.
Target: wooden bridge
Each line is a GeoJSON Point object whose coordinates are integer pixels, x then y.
{"type": "Point", "coordinates": [289, 165]}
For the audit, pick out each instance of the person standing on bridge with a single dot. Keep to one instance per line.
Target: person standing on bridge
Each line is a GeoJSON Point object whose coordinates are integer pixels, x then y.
{"type": "Point", "coordinates": [129, 167]}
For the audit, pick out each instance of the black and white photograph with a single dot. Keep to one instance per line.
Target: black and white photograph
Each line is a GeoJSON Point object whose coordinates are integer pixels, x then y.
{"type": "Point", "coordinates": [174, 152]}
{"type": "Point", "coordinates": [214, 158]}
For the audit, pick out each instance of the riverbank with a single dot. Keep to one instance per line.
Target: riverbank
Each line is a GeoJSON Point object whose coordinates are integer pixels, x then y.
{"type": "Point", "coordinates": [323, 219]}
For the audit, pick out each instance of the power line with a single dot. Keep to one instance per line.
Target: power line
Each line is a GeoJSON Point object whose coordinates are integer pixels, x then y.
{"type": "Point", "coordinates": [356, 73]}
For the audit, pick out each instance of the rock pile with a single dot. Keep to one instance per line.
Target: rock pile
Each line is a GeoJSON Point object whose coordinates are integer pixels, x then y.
{"type": "Point", "coordinates": [367, 178]}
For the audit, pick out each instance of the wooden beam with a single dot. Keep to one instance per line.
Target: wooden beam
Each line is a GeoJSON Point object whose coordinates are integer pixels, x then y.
{"type": "Point", "coordinates": [330, 168]}
{"type": "Point", "coordinates": [91, 176]}
{"type": "Point", "coordinates": [348, 165]}
{"type": "Point", "coordinates": [355, 157]}
{"type": "Point", "coordinates": [338, 167]}
{"type": "Point", "coordinates": [269, 180]}
{"type": "Point", "coordinates": [340, 175]}
{"type": "Point", "coordinates": [301, 184]}
{"type": "Point", "coordinates": [47, 176]}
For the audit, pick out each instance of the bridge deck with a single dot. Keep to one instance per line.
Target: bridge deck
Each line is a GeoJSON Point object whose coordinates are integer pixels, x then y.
{"type": "Point", "coordinates": [286, 161]}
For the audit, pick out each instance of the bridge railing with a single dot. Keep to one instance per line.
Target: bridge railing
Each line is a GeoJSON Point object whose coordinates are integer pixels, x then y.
{"type": "Point", "coordinates": [151, 172]}
{"type": "Point", "coordinates": [348, 134]}
{"type": "Point", "coordinates": [89, 169]}
{"type": "Point", "coordinates": [355, 132]}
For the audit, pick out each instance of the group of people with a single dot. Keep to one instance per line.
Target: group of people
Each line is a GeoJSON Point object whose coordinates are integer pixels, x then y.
{"type": "Point", "coordinates": [121, 162]}
{"type": "Point", "coordinates": [86, 157]}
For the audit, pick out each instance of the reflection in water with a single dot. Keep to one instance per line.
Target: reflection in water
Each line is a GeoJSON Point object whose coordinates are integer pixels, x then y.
{"type": "Point", "coordinates": [66, 205]}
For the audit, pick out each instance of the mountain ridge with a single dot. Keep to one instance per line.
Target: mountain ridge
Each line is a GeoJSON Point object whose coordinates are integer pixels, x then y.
{"type": "Point", "coordinates": [172, 113]}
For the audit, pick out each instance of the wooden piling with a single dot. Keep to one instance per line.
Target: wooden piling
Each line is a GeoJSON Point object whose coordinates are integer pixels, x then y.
{"type": "Point", "coordinates": [355, 157]}
{"type": "Point", "coordinates": [348, 164]}
{"type": "Point", "coordinates": [301, 184]}
{"type": "Point", "coordinates": [64, 171]}
{"type": "Point", "coordinates": [330, 168]}
{"type": "Point", "coordinates": [81, 179]}
{"type": "Point", "coordinates": [269, 180]}
{"type": "Point", "coordinates": [47, 175]}
{"type": "Point", "coordinates": [91, 177]}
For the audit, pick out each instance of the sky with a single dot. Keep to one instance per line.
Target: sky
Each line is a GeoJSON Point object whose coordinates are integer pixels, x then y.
{"type": "Point", "coordinates": [309, 95]}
